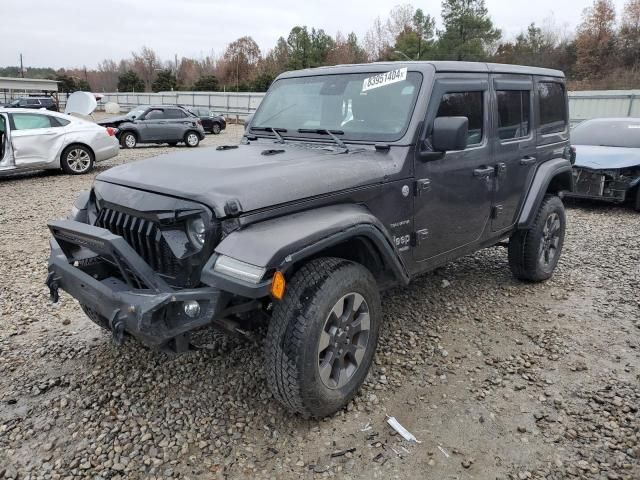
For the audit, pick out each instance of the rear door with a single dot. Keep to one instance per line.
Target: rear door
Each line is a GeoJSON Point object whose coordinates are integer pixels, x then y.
{"type": "Point", "coordinates": [514, 146]}
{"type": "Point", "coordinates": [36, 139]}
{"type": "Point", "coordinates": [176, 125]}
{"type": "Point", "coordinates": [454, 192]}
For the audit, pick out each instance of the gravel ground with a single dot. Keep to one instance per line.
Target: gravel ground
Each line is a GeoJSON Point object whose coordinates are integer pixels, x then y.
{"type": "Point", "coordinates": [497, 378]}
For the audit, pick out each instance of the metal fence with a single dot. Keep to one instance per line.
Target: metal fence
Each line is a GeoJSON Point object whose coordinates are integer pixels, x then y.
{"type": "Point", "coordinates": [582, 105]}
{"type": "Point", "coordinates": [230, 104]}
{"type": "Point", "coordinates": [603, 103]}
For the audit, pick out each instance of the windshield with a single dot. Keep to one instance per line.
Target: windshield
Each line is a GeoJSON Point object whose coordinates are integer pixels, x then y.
{"type": "Point", "coordinates": [608, 133]}
{"type": "Point", "coordinates": [361, 106]}
{"type": "Point", "coordinates": [15, 103]}
{"type": "Point", "coordinates": [137, 112]}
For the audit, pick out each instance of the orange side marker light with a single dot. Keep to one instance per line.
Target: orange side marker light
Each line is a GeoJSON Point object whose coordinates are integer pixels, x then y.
{"type": "Point", "coordinates": [278, 285]}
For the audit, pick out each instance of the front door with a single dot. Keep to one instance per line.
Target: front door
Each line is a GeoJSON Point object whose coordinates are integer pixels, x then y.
{"type": "Point", "coordinates": [151, 126]}
{"type": "Point", "coordinates": [514, 146]}
{"type": "Point", "coordinates": [454, 191]}
{"type": "Point", "coordinates": [34, 139]}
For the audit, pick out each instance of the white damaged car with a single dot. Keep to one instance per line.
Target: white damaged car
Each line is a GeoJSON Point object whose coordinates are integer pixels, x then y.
{"type": "Point", "coordinates": [40, 139]}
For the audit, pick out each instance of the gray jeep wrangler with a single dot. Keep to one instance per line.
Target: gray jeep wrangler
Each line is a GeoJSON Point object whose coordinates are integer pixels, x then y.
{"type": "Point", "coordinates": [348, 180]}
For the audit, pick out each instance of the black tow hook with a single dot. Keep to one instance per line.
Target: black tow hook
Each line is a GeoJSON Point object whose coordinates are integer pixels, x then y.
{"type": "Point", "coordinates": [52, 283]}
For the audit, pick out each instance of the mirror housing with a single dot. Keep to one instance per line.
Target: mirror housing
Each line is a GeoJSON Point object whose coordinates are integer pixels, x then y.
{"type": "Point", "coordinates": [450, 133]}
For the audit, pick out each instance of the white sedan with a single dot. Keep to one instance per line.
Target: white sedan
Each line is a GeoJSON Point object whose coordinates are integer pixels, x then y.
{"type": "Point", "coordinates": [40, 139]}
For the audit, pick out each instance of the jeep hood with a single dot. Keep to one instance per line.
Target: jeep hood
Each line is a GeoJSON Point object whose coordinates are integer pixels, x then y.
{"type": "Point", "coordinates": [254, 175]}
{"type": "Point", "coordinates": [606, 158]}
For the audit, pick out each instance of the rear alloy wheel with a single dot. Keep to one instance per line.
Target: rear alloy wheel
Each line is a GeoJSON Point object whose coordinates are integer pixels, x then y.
{"type": "Point", "coordinates": [534, 253]}
{"type": "Point", "coordinates": [215, 129]}
{"type": "Point", "coordinates": [322, 336]}
{"type": "Point", "coordinates": [191, 139]}
{"type": "Point", "coordinates": [76, 160]}
{"type": "Point", "coordinates": [128, 140]}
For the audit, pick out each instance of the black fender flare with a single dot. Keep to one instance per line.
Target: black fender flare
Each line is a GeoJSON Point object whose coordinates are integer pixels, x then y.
{"type": "Point", "coordinates": [280, 243]}
{"type": "Point", "coordinates": [553, 176]}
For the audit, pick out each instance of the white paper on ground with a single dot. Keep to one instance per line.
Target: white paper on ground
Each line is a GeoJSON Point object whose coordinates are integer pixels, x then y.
{"type": "Point", "coordinates": [401, 430]}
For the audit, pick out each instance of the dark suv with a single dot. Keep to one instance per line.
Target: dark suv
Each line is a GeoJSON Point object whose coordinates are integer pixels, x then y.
{"type": "Point", "coordinates": [34, 102]}
{"type": "Point", "coordinates": [157, 124]}
{"type": "Point", "coordinates": [349, 180]}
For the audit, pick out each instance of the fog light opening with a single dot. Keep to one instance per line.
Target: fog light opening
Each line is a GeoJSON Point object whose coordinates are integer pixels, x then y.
{"type": "Point", "coordinates": [191, 308]}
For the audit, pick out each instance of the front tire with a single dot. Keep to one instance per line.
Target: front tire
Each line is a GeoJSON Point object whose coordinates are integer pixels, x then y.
{"type": "Point", "coordinates": [216, 129]}
{"type": "Point", "coordinates": [77, 160]}
{"type": "Point", "coordinates": [636, 204]}
{"type": "Point", "coordinates": [128, 140]}
{"type": "Point", "coordinates": [191, 139]}
{"type": "Point", "coordinates": [534, 253]}
{"type": "Point", "coordinates": [322, 337]}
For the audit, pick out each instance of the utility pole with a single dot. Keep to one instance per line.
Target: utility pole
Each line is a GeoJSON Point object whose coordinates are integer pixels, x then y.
{"type": "Point", "coordinates": [21, 67]}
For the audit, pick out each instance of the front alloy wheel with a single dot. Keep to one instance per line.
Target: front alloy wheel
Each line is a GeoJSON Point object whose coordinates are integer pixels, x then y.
{"type": "Point", "coordinates": [343, 340]}
{"type": "Point", "coordinates": [322, 336]}
{"type": "Point", "coordinates": [128, 140]}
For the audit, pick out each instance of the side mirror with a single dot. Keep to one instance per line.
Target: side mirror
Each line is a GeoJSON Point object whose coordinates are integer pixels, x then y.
{"type": "Point", "coordinates": [450, 133]}
{"type": "Point", "coordinates": [133, 117]}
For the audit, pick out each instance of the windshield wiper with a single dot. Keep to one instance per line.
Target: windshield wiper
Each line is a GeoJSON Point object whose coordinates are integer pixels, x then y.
{"type": "Point", "coordinates": [272, 129]}
{"type": "Point", "coordinates": [331, 133]}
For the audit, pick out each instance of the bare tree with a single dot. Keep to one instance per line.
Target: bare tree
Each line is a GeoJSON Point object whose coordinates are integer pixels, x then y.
{"type": "Point", "coordinates": [595, 42]}
{"type": "Point", "coordinates": [400, 20]}
{"type": "Point", "coordinates": [376, 40]}
{"type": "Point", "coordinates": [630, 35]}
{"type": "Point", "coordinates": [146, 64]}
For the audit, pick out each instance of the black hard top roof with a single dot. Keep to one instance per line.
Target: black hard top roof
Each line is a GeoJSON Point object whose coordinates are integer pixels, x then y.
{"type": "Point", "coordinates": [439, 66]}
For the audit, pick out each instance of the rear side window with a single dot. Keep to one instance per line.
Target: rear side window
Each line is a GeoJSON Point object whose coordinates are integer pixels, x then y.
{"type": "Point", "coordinates": [59, 122]}
{"type": "Point", "coordinates": [553, 108]}
{"type": "Point", "coordinates": [465, 104]}
{"type": "Point", "coordinates": [174, 113]}
{"type": "Point", "coordinates": [28, 121]}
{"type": "Point", "coordinates": [514, 113]}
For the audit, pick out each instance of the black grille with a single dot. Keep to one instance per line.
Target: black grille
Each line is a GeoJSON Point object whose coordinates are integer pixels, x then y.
{"type": "Point", "coordinates": [144, 236]}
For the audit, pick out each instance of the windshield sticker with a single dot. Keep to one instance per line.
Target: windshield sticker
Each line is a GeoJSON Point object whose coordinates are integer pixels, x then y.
{"type": "Point", "coordinates": [384, 79]}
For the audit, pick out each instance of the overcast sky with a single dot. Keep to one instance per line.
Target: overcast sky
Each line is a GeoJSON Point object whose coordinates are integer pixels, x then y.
{"type": "Point", "coordinates": [73, 33]}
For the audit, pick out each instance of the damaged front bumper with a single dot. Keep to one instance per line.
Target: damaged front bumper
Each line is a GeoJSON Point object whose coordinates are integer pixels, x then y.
{"type": "Point", "coordinates": [605, 185]}
{"type": "Point", "coordinates": [105, 274]}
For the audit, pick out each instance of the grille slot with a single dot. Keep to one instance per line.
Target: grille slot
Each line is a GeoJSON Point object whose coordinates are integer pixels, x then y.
{"type": "Point", "coordinates": [144, 237]}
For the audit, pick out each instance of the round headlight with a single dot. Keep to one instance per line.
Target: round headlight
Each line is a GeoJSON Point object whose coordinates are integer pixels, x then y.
{"type": "Point", "coordinates": [196, 231]}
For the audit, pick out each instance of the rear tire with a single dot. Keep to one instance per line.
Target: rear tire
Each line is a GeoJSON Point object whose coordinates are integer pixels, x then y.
{"type": "Point", "coordinates": [322, 337]}
{"type": "Point", "coordinates": [534, 253]}
{"type": "Point", "coordinates": [636, 204]}
{"type": "Point", "coordinates": [77, 160]}
{"type": "Point", "coordinates": [128, 140]}
{"type": "Point", "coordinates": [191, 139]}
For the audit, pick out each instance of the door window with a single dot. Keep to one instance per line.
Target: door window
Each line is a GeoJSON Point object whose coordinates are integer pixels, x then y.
{"type": "Point", "coordinates": [30, 121]}
{"type": "Point", "coordinates": [514, 114]}
{"type": "Point", "coordinates": [553, 108]}
{"type": "Point", "coordinates": [465, 104]}
{"type": "Point", "coordinates": [155, 115]}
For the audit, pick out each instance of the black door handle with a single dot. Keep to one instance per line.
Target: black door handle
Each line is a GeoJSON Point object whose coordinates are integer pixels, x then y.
{"type": "Point", "coordinates": [528, 160]}
{"type": "Point", "coordinates": [483, 172]}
